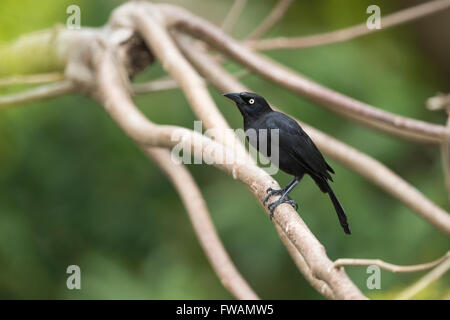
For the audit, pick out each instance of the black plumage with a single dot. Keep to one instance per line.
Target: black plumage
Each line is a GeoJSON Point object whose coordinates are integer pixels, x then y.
{"type": "Point", "coordinates": [297, 153]}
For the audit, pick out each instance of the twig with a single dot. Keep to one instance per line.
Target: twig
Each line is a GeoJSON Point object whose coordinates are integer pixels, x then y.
{"type": "Point", "coordinates": [31, 79]}
{"type": "Point", "coordinates": [233, 15]}
{"type": "Point", "coordinates": [154, 85]}
{"type": "Point", "coordinates": [203, 226]}
{"type": "Point", "coordinates": [442, 102]}
{"type": "Point", "coordinates": [272, 19]}
{"type": "Point", "coordinates": [168, 83]}
{"type": "Point", "coordinates": [366, 166]}
{"type": "Point", "coordinates": [388, 21]}
{"type": "Point", "coordinates": [390, 267]}
{"type": "Point", "coordinates": [426, 280]}
{"type": "Point", "coordinates": [439, 102]}
{"type": "Point", "coordinates": [412, 129]}
{"type": "Point", "coordinates": [445, 152]}
{"type": "Point", "coordinates": [37, 94]}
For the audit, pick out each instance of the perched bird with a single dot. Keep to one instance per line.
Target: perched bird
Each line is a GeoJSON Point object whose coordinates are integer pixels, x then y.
{"type": "Point", "coordinates": [297, 153]}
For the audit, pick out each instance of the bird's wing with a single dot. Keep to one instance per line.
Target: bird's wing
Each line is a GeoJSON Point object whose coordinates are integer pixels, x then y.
{"type": "Point", "coordinates": [294, 141]}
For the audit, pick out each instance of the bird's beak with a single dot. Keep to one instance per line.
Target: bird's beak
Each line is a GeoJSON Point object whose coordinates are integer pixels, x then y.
{"type": "Point", "coordinates": [234, 96]}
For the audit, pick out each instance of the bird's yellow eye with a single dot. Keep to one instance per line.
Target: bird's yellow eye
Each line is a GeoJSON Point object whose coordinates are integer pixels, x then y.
{"type": "Point", "coordinates": [251, 101]}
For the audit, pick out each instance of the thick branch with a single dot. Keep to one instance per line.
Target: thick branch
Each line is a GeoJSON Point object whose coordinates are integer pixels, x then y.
{"type": "Point", "coordinates": [385, 121]}
{"type": "Point", "coordinates": [42, 52]}
{"type": "Point", "coordinates": [388, 21]}
{"type": "Point", "coordinates": [371, 169]}
{"type": "Point", "coordinates": [321, 286]}
{"type": "Point", "coordinates": [203, 226]}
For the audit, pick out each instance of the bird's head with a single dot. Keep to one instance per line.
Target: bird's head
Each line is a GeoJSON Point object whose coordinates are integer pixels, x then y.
{"type": "Point", "coordinates": [249, 104]}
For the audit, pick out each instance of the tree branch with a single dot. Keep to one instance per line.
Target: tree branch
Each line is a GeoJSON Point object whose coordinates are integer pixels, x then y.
{"type": "Point", "coordinates": [389, 266]}
{"type": "Point", "coordinates": [31, 79]}
{"type": "Point", "coordinates": [233, 15]}
{"type": "Point", "coordinates": [154, 85]}
{"type": "Point", "coordinates": [43, 92]}
{"type": "Point", "coordinates": [388, 21]}
{"type": "Point", "coordinates": [203, 226]}
{"type": "Point", "coordinates": [412, 129]}
{"type": "Point", "coordinates": [442, 102]}
{"type": "Point", "coordinates": [371, 169]}
{"type": "Point", "coordinates": [426, 280]}
{"type": "Point", "coordinates": [272, 19]}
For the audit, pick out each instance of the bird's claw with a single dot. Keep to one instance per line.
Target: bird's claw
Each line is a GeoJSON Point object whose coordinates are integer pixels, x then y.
{"type": "Point", "coordinates": [275, 204]}
{"type": "Point", "coordinates": [293, 203]}
{"type": "Point", "coordinates": [272, 192]}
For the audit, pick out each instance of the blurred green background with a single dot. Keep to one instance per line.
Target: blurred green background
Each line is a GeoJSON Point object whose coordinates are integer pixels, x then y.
{"type": "Point", "coordinates": [75, 190]}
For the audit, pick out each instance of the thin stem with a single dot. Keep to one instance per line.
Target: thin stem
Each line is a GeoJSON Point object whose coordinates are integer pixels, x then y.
{"type": "Point", "coordinates": [425, 281]}
{"type": "Point", "coordinates": [389, 266]}
{"type": "Point", "coordinates": [275, 15]}
{"type": "Point", "coordinates": [388, 21]}
{"type": "Point", "coordinates": [30, 79]}
{"type": "Point", "coordinates": [37, 94]}
{"type": "Point", "coordinates": [233, 15]}
{"type": "Point", "coordinates": [154, 85]}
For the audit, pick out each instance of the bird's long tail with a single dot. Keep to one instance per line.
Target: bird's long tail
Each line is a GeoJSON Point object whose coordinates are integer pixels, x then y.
{"type": "Point", "coordinates": [339, 210]}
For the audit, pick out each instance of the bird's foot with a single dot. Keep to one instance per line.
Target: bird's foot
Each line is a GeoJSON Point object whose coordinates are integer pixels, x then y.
{"type": "Point", "coordinates": [273, 192]}
{"type": "Point", "coordinates": [275, 204]}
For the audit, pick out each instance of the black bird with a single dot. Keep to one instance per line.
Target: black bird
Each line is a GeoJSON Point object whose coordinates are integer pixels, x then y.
{"type": "Point", "coordinates": [297, 153]}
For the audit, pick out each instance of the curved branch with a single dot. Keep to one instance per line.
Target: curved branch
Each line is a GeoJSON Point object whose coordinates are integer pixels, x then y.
{"type": "Point", "coordinates": [389, 266]}
{"type": "Point", "coordinates": [412, 129]}
{"type": "Point", "coordinates": [203, 226]}
{"type": "Point", "coordinates": [272, 19]}
{"type": "Point", "coordinates": [371, 169]}
{"type": "Point", "coordinates": [426, 280]}
{"type": "Point", "coordinates": [388, 21]}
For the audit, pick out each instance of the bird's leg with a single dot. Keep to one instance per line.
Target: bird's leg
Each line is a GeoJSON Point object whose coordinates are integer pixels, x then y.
{"type": "Point", "coordinates": [272, 192]}
{"type": "Point", "coordinates": [285, 197]}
